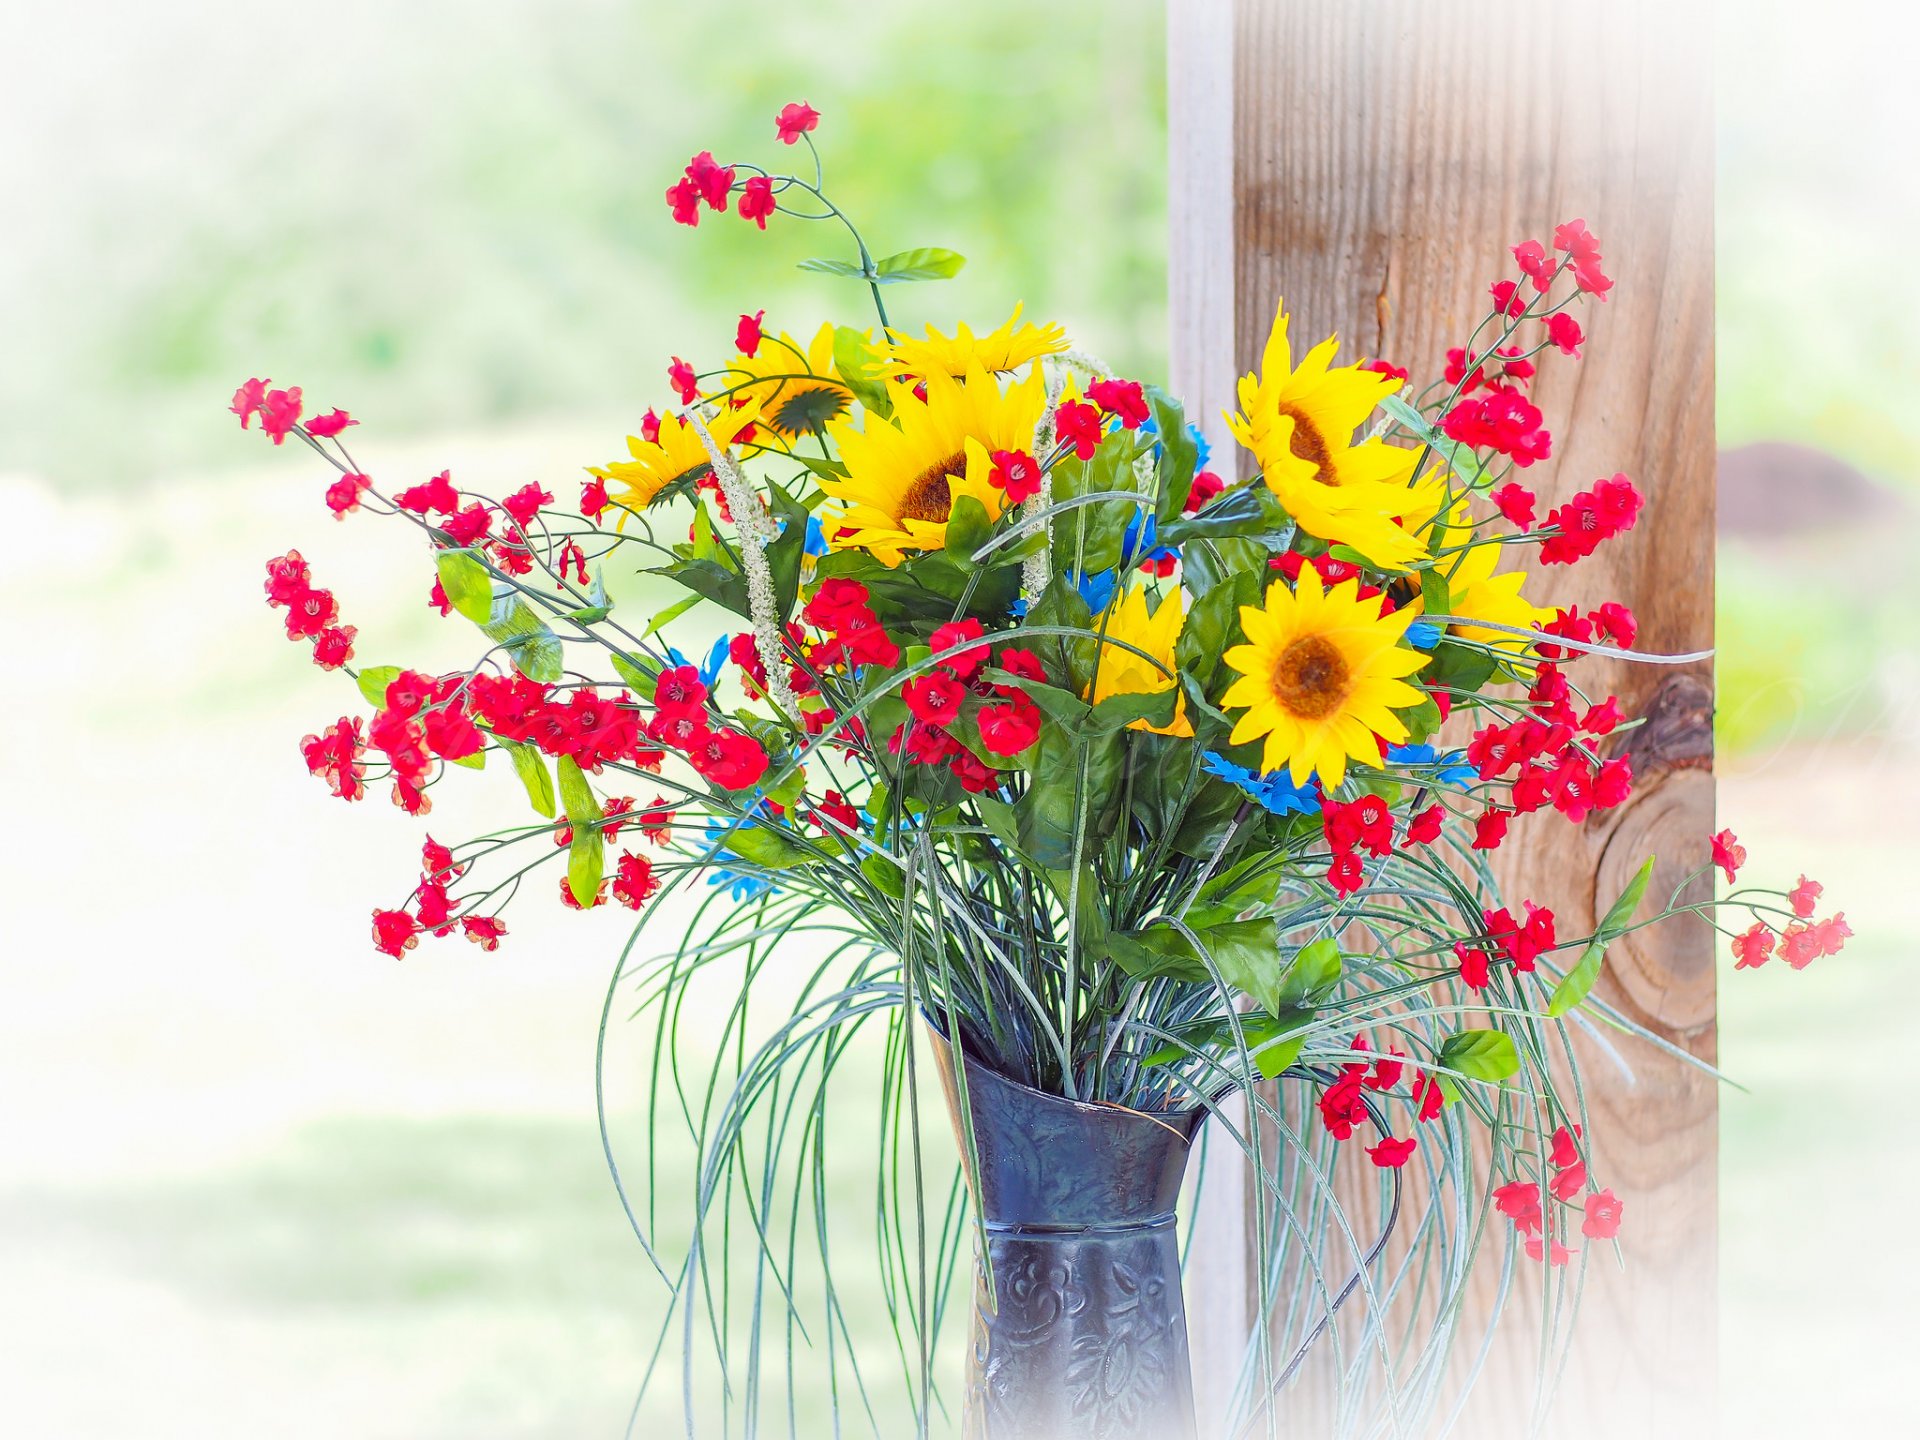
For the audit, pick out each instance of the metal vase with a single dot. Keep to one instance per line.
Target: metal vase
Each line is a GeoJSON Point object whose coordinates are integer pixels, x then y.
{"type": "Point", "coordinates": [1080, 1333]}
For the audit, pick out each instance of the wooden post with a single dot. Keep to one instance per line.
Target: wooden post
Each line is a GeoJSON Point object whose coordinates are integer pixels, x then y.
{"type": "Point", "coordinates": [1382, 157]}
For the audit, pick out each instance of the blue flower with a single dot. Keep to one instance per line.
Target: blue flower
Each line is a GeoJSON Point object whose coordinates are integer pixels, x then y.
{"type": "Point", "coordinates": [742, 887]}
{"type": "Point", "coordinates": [1137, 544]}
{"type": "Point", "coordinates": [1203, 452]}
{"type": "Point", "coordinates": [1423, 635]}
{"type": "Point", "coordinates": [1453, 768]}
{"type": "Point", "coordinates": [816, 537]}
{"type": "Point", "coordinates": [1276, 792]}
{"type": "Point", "coordinates": [711, 666]}
{"type": "Point", "coordinates": [1096, 589]}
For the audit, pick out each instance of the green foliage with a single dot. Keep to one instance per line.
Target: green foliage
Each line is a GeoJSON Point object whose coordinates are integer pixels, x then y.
{"type": "Point", "coordinates": [1579, 981]}
{"type": "Point", "coordinates": [531, 766]}
{"type": "Point", "coordinates": [468, 585]}
{"type": "Point", "coordinates": [926, 263]}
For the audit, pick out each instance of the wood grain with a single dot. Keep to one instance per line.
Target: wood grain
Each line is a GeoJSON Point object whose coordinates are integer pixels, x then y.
{"type": "Point", "coordinates": [1383, 156]}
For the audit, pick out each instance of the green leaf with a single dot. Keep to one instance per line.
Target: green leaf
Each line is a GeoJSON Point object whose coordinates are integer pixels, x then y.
{"type": "Point", "coordinates": [1480, 1055]}
{"type": "Point", "coordinates": [534, 649]}
{"type": "Point", "coordinates": [1247, 954]}
{"type": "Point", "coordinates": [586, 864]}
{"type": "Point", "coordinates": [1312, 975]}
{"type": "Point", "coordinates": [1251, 511]}
{"type": "Point", "coordinates": [709, 579]}
{"type": "Point", "coordinates": [590, 614]}
{"type": "Point", "coordinates": [373, 682]}
{"type": "Point", "coordinates": [968, 528]}
{"type": "Point", "coordinates": [1117, 712]}
{"type": "Point", "coordinates": [855, 362]}
{"type": "Point", "coordinates": [767, 846]}
{"type": "Point", "coordinates": [1434, 596]}
{"type": "Point", "coordinates": [1578, 982]}
{"type": "Point", "coordinates": [927, 263]}
{"type": "Point", "coordinates": [576, 795]}
{"type": "Point", "coordinates": [885, 876]}
{"type": "Point", "coordinates": [1213, 621]}
{"type": "Point", "coordinates": [468, 585]}
{"type": "Point", "coordinates": [476, 761]}
{"type": "Point", "coordinates": [531, 766]}
{"type": "Point", "coordinates": [667, 616]}
{"type": "Point", "coordinates": [1459, 667]}
{"type": "Point", "coordinates": [834, 267]}
{"type": "Point", "coordinates": [1157, 951]}
{"type": "Point", "coordinates": [640, 679]}
{"type": "Point", "coordinates": [1179, 456]}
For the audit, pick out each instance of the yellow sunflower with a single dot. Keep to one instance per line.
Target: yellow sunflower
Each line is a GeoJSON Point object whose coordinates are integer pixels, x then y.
{"type": "Point", "coordinates": [904, 474]}
{"type": "Point", "coordinates": [1476, 592]}
{"type": "Point", "coordinates": [1124, 673]}
{"type": "Point", "coordinates": [1299, 423]}
{"type": "Point", "coordinates": [1320, 678]}
{"type": "Point", "coordinates": [1007, 348]}
{"type": "Point", "coordinates": [798, 390]}
{"type": "Point", "coordinates": [677, 455]}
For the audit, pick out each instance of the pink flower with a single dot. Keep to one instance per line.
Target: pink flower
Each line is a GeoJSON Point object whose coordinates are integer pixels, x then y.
{"type": "Point", "coordinates": [1536, 263]}
{"type": "Point", "coordinates": [280, 412]}
{"type": "Point", "coordinates": [1015, 472]}
{"type": "Point", "coordinates": [328, 426]}
{"type": "Point", "coordinates": [1603, 1209]}
{"type": "Point", "coordinates": [712, 179]}
{"type": "Point", "coordinates": [1804, 896]}
{"type": "Point", "coordinates": [1728, 853]}
{"type": "Point", "coordinates": [1752, 947]}
{"type": "Point", "coordinates": [794, 120]}
{"type": "Point", "coordinates": [756, 200]}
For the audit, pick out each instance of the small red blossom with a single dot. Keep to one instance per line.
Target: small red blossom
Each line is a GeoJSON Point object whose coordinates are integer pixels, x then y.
{"type": "Point", "coordinates": [334, 755]}
{"type": "Point", "coordinates": [836, 808]}
{"type": "Point", "coordinates": [934, 699]}
{"type": "Point", "coordinates": [1386, 368]}
{"type": "Point", "coordinates": [1491, 828]}
{"type": "Point", "coordinates": [1424, 828]}
{"type": "Point", "coordinates": [1346, 873]}
{"type": "Point", "coordinates": [1519, 1201]}
{"type": "Point", "coordinates": [756, 200]}
{"type": "Point", "coordinates": [1833, 933]}
{"type": "Point", "coordinates": [437, 494]}
{"type": "Point", "coordinates": [1753, 947]}
{"type": "Point", "coordinates": [524, 504]}
{"type": "Point", "coordinates": [333, 647]}
{"type": "Point", "coordinates": [483, 930]}
{"type": "Point", "coordinates": [1515, 503]}
{"type": "Point", "coordinates": [1206, 485]}
{"type": "Point", "coordinates": [466, 528]}
{"type": "Point", "coordinates": [1728, 853]}
{"type": "Point", "coordinates": [1507, 299]}
{"type": "Point", "coordinates": [1564, 331]}
{"type": "Point", "coordinates": [684, 382]}
{"type": "Point", "coordinates": [957, 632]}
{"type": "Point", "coordinates": [436, 861]}
{"type": "Point", "coordinates": [1565, 1147]}
{"type": "Point", "coordinates": [712, 179]}
{"type": "Point", "coordinates": [1554, 1254]}
{"type": "Point", "coordinates": [1079, 427]}
{"type": "Point", "coordinates": [1342, 1106]}
{"type": "Point", "coordinates": [395, 932]}
{"type": "Point", "coordinates": [1800, 944]}
{"type": "Point", "coordinates": [1583, 251]}
{"type": "Point", "coordinates": [683, 199]}
{"type": "Point", "coordinates": [343, 495]}
{"type": "Point", "coordinates": [747, 334]}
{"type": "Point", "coordinates": [794, 120]}
{"type": "Point", "coordinates": [1603, 1209]}
{"type": "Point", "coordinates": [594, 499]}
{"type": "Point", "coordinates": [1474, 965]}
{"type": "Point", "coordinates": [1428, 1096]}
{"type": "Point", "coordinates": [731, 759]}
{"type": "Point", "coordinates": [1535, 263]}
{"type": "Point", "coordinates": [634, 882]}
{"type": "Point", "coordinates": [247, 401]}
{"type": "Point", "coordinates": [1804, 897]}
{"type": "Point", "coordinates": [328, 426]}
{"type": "Point", "coordinates": [280, 412]}
{"type": "Point", "coordinates": [567, 897]}
{"type": "Point", "coordinates": [1391, 1154]}
{"type": "Point", "coordinates": [1015, 472]}
{"type": "Point", "coordinates": [1122, 399]}
{"type": "Point", "coordinates": [1009, 727]}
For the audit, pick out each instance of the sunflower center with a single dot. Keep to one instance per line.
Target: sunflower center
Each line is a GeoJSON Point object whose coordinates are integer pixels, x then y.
{"type": "Point", "coordinates": [930, 496]}
{"type": "Point", "coordinates": [1307, 443]}
{"type": "Point", "coordinates": [1311, 678]}
{"type": "Point", "coordinates": [806, 412]}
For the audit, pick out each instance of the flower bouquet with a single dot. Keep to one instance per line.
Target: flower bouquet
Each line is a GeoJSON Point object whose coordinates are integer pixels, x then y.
{"type": "Point", "coordinates": [1103, 785]}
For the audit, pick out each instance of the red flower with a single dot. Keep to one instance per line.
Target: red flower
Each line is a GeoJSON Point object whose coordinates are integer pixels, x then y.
{"type": "Point", "coordinates": [328, 426]}
{"type": "Point", "coordinates": [836, 808]}
{"type": "Point", "coordinates": [594, 499]}
{"type": "Point", "coordinates": [756, 200]}
{"type": "Point", "coordinates": [343, 496]}
{"type": "Point", "coordinates": [1341, 1106]}
{"type": "Point", "coordinates": [1122, 399]}
{"type": "Point", "coordinates": [678, 691]}
{"type": "Point", "coordinates": [1424, 828]}
{"type": "Point", "coordinates": [634, 882]}
{"type": "Point", "coordinates": [1491, 828]}
{"type": "Point", "coordinates": [1009, 727]}
{"type": "Point", "coordinates": [1507, 299]}
{"type": "Point", "coordinates": [288, 579]}
{"type": "Point", "coordinates": [247, 400]}
{"type": "Point", "coordinates": [1617, 622]}
{"type": "Point", "coordinates": [434, 908]}
{"type": "Point", "coordinates": [566, 895]}
{"type": "Point", "coordinates": [1519, 1201]}
{"type": "Point", "coordinates": [746, 335]}
{"type": "Point", "coordinates": [333, 647]}
{"type": "Point", "coordinates": [310, 614]}
{"type": "Point", "coordinates": [280, 412]}
{"type": "Point", "coordinates": [394, 932]}
{"type": "Point", "coordinates": [1804, 896]}
{"type": "Point", "coordinates": [1428, 1095]}
{"type": "Point", "coordinates": [1522, 943]}
{"type": "Point", "coordinates": [334, 755]}
{"type": "Point", "coordinates": [1386, 368]}
{"type": "Point", "coordinates": [1079, 427]}
{"type": "Point", "coordinates": [1345, 873]}
{"type": "Point", "coordinates": [485, 930]}
{"type": "Point", "coordinates": [1504, 421]}
{"type": "Point", "coordinates": [1800, 944]}
{"type": "Point", "coordinates": [1832, 934]}
{"type": "Point", "coordinates": [1535, 263]}
{"type": "Point", "coordinates": [681, 377]}
{"type": "Point", "coordinates": [1564, 331]}
{"type": "Point", "coordinates": [451, 735]}
{"type": "Point", "coordinates": [1728, 853]}
{"type": "Point", "coordinates": [1752, 947]}
{"type": "Point", "coordinates": [837, 604]}
{"type": "Point", "coordinates": [1583, 250]}
{"type": "Point", "coordinates": [731, 759]}
{"type": "Point", "coordinates": [794, 120]}
{"type": "Point", "coordinates": [683, 198]}
{"type": "Point", "coordinates": [1565, 1149]}
{"type": "Point", "coordinates": [525, 503]}
{"type": "Point", "coordinates": [468, 527]}
{"type": "Point", "coordinates": [712, 179]}
{"type": "Point", "coordinates": [436, 860]}
{"type": "Point", "coordinates": [1473, 965]}
{"type": "Point", "coordinates": [1516, 503]}
{"type": "Point", "coordinates": [1391, 1154]}
{"type": "Point", "coordinates": [1603, 1209]}
{"type": "Point", "coordinates": [1023, 663]}
{"type": "Point", "coordinates": [958, 632]}
{"type": "Point", "coordinates": [1556, 1254]}
{"type": "Point", "coordinates": [934, 699]}
{"type": "Point", "coordinates": [1589, 517]}
{"type": "Point", "coordinates": [436, 494]}
{"type": "Point", "coordinates": [1015, 472]}
{"type": "Point", "coordinates": [1206, 485]}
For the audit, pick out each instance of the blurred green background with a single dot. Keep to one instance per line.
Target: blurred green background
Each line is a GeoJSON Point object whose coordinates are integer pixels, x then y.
{"type": "Point", "coordinates": [256, 1180]}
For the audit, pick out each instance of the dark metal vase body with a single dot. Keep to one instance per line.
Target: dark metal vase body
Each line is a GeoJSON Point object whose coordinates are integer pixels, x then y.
{"type": "Point", "coordinates": [1081, 1333]}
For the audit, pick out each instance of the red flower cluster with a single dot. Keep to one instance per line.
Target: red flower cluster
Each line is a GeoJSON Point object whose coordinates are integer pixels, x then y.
{"type": "Point", "coordinates": [1343, 1104]}
{"type": "Point", "coordinates": [1611, 622]}
{"type": "Point", "coordinates": [1122, 399]}
{"type": "Point", "coordinates": [1504, 369]}
{"type": "Point", "coordinates": [1552, 764]}
{"type": "Point", "coordinates": [706, 179]}
{"type": "Point", "coordinates": [1351, 826]}
{"type": "Point", "coordinates": [279, 410]}
{"type": "Point", "coordinates": [854, 636]}
{"type": "Point", "coordinates": [311, 611]}
{"type": "Point", "coordinates": [1583, 255]}
{"type": "Point", "coordinates": [1608, 509]}
{"type": "Point", "coordinates": [1522, 942]}
{"type": "Point", "coordinates": [1009, 722]}
{"type": "Point", "coordinates": [334, 755]}
{"type": "Point", "coordinates": [1504, 421]}
{"type": "Point", "coordinates": [396, 931]}
{"type": "Point", "coordinates": [1521, 1202]}
{"type": "Point", "coordinates": [729, 758]}
{"type": "Point", "coordinates": [1079, 428]}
